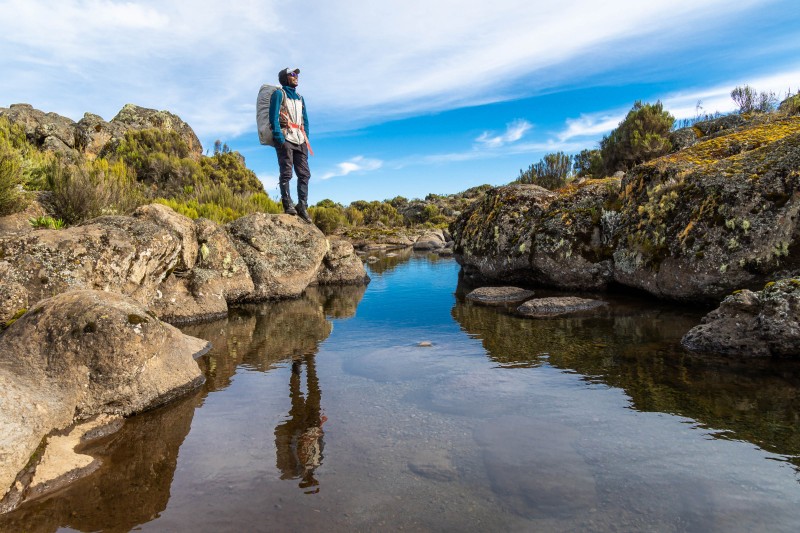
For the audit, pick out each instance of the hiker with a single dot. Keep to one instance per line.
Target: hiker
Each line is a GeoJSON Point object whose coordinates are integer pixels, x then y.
{"type": "Point", "coordinates": [289, 124]}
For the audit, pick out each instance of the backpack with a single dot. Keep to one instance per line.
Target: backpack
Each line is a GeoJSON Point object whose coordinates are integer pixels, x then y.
{"type": "Point", "coordinates": [262, 113]}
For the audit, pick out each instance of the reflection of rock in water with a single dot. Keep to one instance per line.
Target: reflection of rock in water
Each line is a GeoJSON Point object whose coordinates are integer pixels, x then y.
{"type": "Point", "coordinates": [337, 301]}
{"type": "Point", "coordinates": [131, 487]}
{"type": "Point", "coordinates": [298, 440]}
{"type": "Point", "coordinates": [635, 346]}
{"type": "Point", "coordinates": [388, 261]}
{"type": "Point", "coordinates": [259, 335]}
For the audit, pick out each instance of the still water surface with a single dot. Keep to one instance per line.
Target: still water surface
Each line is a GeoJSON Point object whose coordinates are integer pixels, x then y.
{"type": "Point", "coordinates": [325, 414]}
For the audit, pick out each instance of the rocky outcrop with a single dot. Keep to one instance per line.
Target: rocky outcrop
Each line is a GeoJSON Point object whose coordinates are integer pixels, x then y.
{"type": "Point", "coordinates": [282, 252]}
{"type": "Point", "coordinates": [80, 354]}
{"type": "Point", "coordinates": [138, 118]}
{"type": "Point", "coordinates": [558, 306]}
{"type": "Point", "coordinates": [716, 217]}
{"type": "Point", "coordinates": [694, 225]}
{"type": "Point", "coordinates": [92, 135]}
{"type": "Point", "coordinates": [50, 131]}
{"type": "Point", "coordinates": [341, 265]}
{"type": "Point", "coordinates": [181, 226]}
{"type": "Point", "coordinates": [524, 233]}
{"type": "Point", "coordinates": [747, 323]}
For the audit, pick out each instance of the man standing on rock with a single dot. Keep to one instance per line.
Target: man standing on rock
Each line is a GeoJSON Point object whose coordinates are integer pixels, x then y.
{"type": "Point", "coordinates": [289, 123]}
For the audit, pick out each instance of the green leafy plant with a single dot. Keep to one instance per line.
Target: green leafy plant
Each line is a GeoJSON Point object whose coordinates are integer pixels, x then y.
{"type": "Point", "coordinates": [46, 222]}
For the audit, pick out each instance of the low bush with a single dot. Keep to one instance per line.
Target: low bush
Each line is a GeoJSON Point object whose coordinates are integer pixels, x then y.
{"type": "Point", "coordinates": [88, 189]}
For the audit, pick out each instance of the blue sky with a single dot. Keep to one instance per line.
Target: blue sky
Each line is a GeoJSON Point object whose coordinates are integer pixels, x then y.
{"type": "Point", "coordinates": [405, 97]}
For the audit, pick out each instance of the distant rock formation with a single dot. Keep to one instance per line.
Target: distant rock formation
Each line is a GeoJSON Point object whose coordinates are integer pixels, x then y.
{"type": "Point", "coordinates": [93, 136]}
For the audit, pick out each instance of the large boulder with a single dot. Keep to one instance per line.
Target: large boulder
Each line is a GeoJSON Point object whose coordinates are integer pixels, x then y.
{"type": "Point", "coordinates": [493, 237]}
{"type": "Point", "coordinates": [182, 226]}
{"type": "Point", "coordinates": [431, 240]}
{"type": "Point", "coordinates": [80, 354]}
{"type": "Point", "coordinates": [282, 252]}
{"type": "Point", "coordinates": [123, 254]}
{"type": "Point", "coordinates": [134, 117]}
{"type": "Point", "coordinates": [527, 234]}
{"type": "Point", "coordinates": [341, 265]}
{"type": "Point", "coordinates": [747, 323]}
{"type": "Point", "coordinates": [721, 215]}
{"type": "Point", "coordinates": [220, 276]}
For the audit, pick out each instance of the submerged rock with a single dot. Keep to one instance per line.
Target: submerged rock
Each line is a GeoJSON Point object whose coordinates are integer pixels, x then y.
{"type": "Point", "coordinates": [499, 295]}
{"type": "Point", "coordinates": [80, 354]}
{"type": "Point", "coordinates": [758, 324]}
{"type": "Point", "coordinates": [557, 306]}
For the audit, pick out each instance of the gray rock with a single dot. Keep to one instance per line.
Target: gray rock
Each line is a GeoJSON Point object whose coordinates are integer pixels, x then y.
{"type": "Point", "coordinates": [134, 117]}
{"type": "Point", "coordinates": [180, 225]}
{"type": "Point", "coordinates": [746, 323]}
{"type": "Point", "coordinates": [431, 240]}
{"type": "Point", "coordinates": [558, 306]}
{"type": "Point", "coordinates": [282, 252]}
{"type": "Point", "coordinates": [83, 353]}
{"type": "Point", "coordinates": [48, 130]}
{"type": "Point", "coordinates": [683, 138]}
{"type": "Point", "coordinates": [527, 234]}
{"type": "Point", "coordinates": [499, 295]}
{"type": "Point", "coordinates": [122, 254]}
{"type": "Point", "coordinates": [341, 265]}
{"type": "Point", "coordinates": [719, 216]}
{"type": "Point", "coordinates": [92, 134]}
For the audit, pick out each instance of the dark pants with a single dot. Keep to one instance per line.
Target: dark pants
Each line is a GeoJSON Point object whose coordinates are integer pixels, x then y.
{"type": "Point", "coordinates": [292, 155]}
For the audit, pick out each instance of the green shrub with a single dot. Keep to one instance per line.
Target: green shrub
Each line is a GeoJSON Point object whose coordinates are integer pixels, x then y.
{"type": "Point", "coordinates": [751, 101]}
{"type": "Point", "coordinates": [643, 135]}
{"type": "Point", "coordinates": [588, 163]}
{"type": "Point", "coordinates": [88, 189]}
{"type": "Point", "coordinates": [328, 219]}
{"type": "Point", "coordinates": [551, 172]}
{"type": "Point", "coordinates": [12, 181]}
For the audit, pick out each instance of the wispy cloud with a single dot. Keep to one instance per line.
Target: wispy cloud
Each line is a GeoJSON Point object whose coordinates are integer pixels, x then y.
{"type": "Point", "coordinates": [590, 125]}
{"type": "Point", "coordinates": [514, 132]}
{"type": "Point", "coordinates": [205, 60]}
{"type": "Point", "coordinates": [356, 164]}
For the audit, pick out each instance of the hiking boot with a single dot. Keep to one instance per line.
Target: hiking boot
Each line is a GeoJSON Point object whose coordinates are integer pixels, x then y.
{"type": "Point", "coordinates": [302, 213]}
{"type": "Point", "coordinates": [287, 207]}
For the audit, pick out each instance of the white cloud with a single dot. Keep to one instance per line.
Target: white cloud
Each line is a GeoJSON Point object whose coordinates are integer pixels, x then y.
{"type": "Point", "coordinates": [514, 132]}
{"type": "Point", "coordinates": [590, 125]}
{"type": "Point", "coordinates": [356, 164]}
{"type": "Point", "coordinates": [362, 62]}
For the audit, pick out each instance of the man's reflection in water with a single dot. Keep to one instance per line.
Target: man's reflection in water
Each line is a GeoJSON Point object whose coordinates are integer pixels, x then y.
{"type": "Point", "coordinates": [298, 440]}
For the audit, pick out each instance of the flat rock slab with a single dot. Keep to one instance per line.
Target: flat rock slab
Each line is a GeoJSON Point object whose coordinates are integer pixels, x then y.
{"type": "Point", "coordinates": [499, 295]}
{"type": "Point", "coordinates": [558, 306]}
